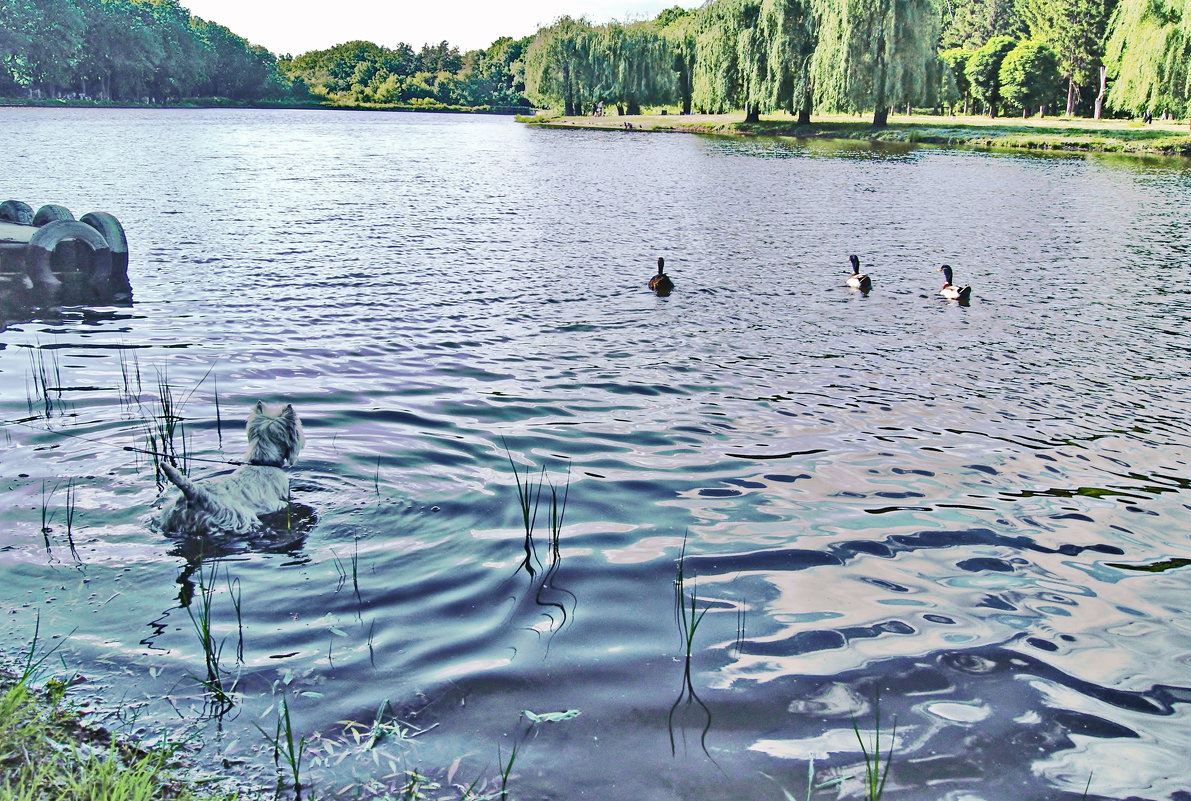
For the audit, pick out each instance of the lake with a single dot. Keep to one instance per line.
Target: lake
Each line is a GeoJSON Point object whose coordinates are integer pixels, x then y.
{"type": "Point", "coordinates": [787, 509]}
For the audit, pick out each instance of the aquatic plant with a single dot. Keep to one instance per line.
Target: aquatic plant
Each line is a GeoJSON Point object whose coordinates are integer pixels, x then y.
{"type": "Point", "coordinates": [506, 770]}
{"type": "Point", "coordinates": [528, 499]}
{"type": "Point", "coordinates": [284, 746]}
{"type": "Point", "coordinates": [687, 617]}
{"type": "Point", "coordinates": [202, 620]}
{"type": "Point", "coordinates": [874, 774]}
{"type": "Point", "coordinates": [40, 374]}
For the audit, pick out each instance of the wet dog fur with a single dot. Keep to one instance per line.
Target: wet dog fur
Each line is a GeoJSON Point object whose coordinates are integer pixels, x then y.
{"type": "Point", "coordinates": [260, 486]}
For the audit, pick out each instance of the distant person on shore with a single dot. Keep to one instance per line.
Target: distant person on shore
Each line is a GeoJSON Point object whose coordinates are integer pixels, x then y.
{"type": "Point", "coordinates": [1147, 116]}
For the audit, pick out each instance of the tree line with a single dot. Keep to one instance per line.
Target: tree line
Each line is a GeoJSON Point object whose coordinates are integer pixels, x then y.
{"type": "Point", "coordinates": [156, 51]}
{"type": "Point", "coordinates": [129, 50]}
{"type": "Point", "coordinates": [799, 56]}
{"type": "Point", "coordinates": [356, 73]}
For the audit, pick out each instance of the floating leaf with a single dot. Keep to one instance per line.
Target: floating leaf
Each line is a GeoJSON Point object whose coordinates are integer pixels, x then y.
{"type": "Point", "coordinates": [310, 694]}
{"type": "Point", "coordinates": [338, 632]}
{"type": "Point", "coordinates": [550, 717]}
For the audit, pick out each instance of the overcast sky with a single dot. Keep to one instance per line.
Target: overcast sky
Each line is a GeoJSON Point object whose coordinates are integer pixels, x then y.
{"type": "Point", "coordinates": [296, 26]}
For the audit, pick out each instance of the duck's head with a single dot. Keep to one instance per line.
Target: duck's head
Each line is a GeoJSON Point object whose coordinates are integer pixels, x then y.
{"type": "Point", "coordinates": [661, 264]}
{"type": "Point", "coordinates": [946, 271]}
{"type": "Point", "coordinates": [855, 263]}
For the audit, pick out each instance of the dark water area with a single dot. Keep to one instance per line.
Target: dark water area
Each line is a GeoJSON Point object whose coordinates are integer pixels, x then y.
{"type": "Point", "coordinates": [886, 493]}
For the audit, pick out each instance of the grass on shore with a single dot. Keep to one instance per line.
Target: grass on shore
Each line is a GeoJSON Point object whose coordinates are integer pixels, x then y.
{"type": "Point", "coordinates": [1161, 138]}
{"type": "Point", "coordinates": [47, 752]}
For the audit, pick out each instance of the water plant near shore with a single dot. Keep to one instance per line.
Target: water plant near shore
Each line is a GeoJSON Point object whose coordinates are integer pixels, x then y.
{"type": "Point", "coordinates": [216, 682]}
{"type": "Point", "coordinates": [874, 774]}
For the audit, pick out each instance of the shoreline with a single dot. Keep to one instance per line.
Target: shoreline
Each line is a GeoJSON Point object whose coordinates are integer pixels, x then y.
{"type": "Point", "coordinates": [1167, 139]}
{"type": "Point", "coordinates": [214, 103]}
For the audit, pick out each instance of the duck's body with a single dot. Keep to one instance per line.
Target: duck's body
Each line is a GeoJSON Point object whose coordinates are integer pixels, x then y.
{"type": "Point", "coordinates": [950, 290]}
{"type": "Point", "coordinates": [858, 280]}
{"type": "Point", "coordinates": [661, 282]}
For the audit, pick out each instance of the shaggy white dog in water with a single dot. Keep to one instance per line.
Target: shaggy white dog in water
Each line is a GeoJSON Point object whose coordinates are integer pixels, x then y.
{"type": "Point", "coordinates": [234, 503]}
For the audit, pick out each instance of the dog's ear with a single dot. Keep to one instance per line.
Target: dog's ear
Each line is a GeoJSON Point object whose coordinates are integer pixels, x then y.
{"type": "Point", "coordinates": [259, 408]}
{"type": "Point", "coordinates": [288, 412]}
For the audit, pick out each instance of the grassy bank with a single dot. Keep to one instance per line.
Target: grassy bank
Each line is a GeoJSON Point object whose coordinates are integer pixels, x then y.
{"type": "Point", "coordinates": [47, 751]}
{"type": "Point", "coordinates": [1161, 138]}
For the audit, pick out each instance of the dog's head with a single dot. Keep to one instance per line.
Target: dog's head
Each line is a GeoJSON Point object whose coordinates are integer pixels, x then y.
{"type": "Point", "coordinates": [274, 437]}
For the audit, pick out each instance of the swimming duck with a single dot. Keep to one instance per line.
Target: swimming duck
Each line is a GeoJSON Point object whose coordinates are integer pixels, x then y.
{"type": "Point", "coordinates": [950, 290]}
{"type": "Point", "coordinates": [858, 280]}
{"type": "Point", "coordinates": [661, 282]}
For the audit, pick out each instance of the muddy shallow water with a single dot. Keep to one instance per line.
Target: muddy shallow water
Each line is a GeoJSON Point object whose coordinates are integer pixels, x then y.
{"type": "Point", "coordinates": [887, 494]}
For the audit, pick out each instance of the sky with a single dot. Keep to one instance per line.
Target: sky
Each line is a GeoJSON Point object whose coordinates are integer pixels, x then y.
{"type": "Point", "coordinates": [297, 26]}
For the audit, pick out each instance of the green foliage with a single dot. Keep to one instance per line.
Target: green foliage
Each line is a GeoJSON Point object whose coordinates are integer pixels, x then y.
{"type": "Point", "coordinates": [731, 58]}
{"type": "Point", "coordinates": [121, 50]}
{"type": "Point", "coordinates": [968, 24]}
{"type": "Point", "coordinates": [1074, 30]}
{"type": "Point", "coordinates": [874, 53]}
{"type": "Point", "coordinates": [1148, 54]}
{"type": "Point", "coordinates": [983, 71]}
{"type": "Point", "coordinates": [573, 65]}
{"type": "Point", "coordinates": [363, 73]}
{"type": "Point", "coordinates": [790, 30]}
{"type": "Point", "coordinates": [1029, 75]}
{"type": "Point", "coordinates": [956, 60]}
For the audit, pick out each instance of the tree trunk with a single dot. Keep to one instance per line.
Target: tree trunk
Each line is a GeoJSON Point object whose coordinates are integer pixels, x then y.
{"type": "Point", "coordinates": [1100, 97]}
{"type": "Point", "coordinates": [619, 110]}
{"type": "Point", "coordinates": [1071, 95]}
{"type": "Point", "coordinates": [568, 96]}
{"type": "Point", "coordinates": [686, 103]}
{"type": "Point", "coordinates": [804, 115]}
{"type": "Point", "coordinates": [752, 113]}
{"type": "Point", "coordinates": [634, 108]}
{"type": "Point", "coordinates": [881, 117]}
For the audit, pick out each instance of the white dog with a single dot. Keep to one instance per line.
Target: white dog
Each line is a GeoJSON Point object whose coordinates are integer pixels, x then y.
{"type": "Point", "coordinates": [234, 503]}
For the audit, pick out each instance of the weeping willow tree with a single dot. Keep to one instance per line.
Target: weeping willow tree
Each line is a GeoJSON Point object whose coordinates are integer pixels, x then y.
{"type": "Point", "coordinates": [559, 66]}
{"type": "Point", "coordinates": [574, 65]}
{"type": "Point", "coordinates": [1149, 56]}
{"type": "Point", "coordinates": [680, 29]}
{"type": "Point", "coordinates": [636, 64]}
{"type": "Point", "coordinates": [731, 59]}
{"type": "Point", "coordinates": [873, 54]}
{"type": "Point", "coordinates": [790, 29]}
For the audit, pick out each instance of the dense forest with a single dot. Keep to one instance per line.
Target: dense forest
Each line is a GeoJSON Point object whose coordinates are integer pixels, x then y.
{"type": "Point", "coordinates": [1079, 57]}
{"type": "Point", "coordinates": [129, 50]}
{"type": "Point", "coordinates": [155, 51]}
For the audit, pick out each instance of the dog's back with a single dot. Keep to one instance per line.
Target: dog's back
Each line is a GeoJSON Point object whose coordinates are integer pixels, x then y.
{"type": "Point", "coordinates": [234, 503]}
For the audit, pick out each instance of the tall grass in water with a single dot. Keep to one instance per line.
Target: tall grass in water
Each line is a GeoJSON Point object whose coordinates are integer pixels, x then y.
{"type": "Point", "coordinates": [528, 498]}
{"type": "Point", "coordinates": [531, 494]}
{"type": "Point", "coordinates": [687, 616]}
{"type": "Point", "coordinates": [285, 747]}
{"type": "Point", "coordinates": [201, 616]}
{"type": "Point", "coordinates": [874, 773]}
{"type": "Point", "coordinates": [45, 378]}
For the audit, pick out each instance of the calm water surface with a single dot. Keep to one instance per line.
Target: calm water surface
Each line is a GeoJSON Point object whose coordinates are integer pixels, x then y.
{"type": "Point", "coordinates": [887, 493]}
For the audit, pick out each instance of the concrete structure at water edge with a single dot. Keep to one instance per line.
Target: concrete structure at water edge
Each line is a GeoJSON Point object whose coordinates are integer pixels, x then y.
{"type": "Point", "coordinates": [50, 258]}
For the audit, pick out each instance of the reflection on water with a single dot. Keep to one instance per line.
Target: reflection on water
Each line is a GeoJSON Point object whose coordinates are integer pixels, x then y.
{"type": "Point", "coordinates": [977, 513]}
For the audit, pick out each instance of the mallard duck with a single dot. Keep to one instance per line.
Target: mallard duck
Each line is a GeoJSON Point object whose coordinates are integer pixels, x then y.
{"type": "Point", "coordinates": [950, 290]}
{"type": "Point", "coordinates": [661, 282]}
{"type": "Point", "coordinates": [858, 280]}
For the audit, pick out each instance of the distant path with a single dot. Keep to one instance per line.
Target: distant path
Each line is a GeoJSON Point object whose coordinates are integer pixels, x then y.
{"type": "Point", "coordinates": [1164, 138]}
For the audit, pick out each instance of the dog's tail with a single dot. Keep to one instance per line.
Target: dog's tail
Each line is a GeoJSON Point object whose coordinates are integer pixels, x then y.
{"type": "Point", "coordinates": [193, 493]}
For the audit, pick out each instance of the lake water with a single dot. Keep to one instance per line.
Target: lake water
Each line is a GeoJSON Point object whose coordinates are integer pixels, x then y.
{"type": "Point", "coordinates": [889, 494]}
